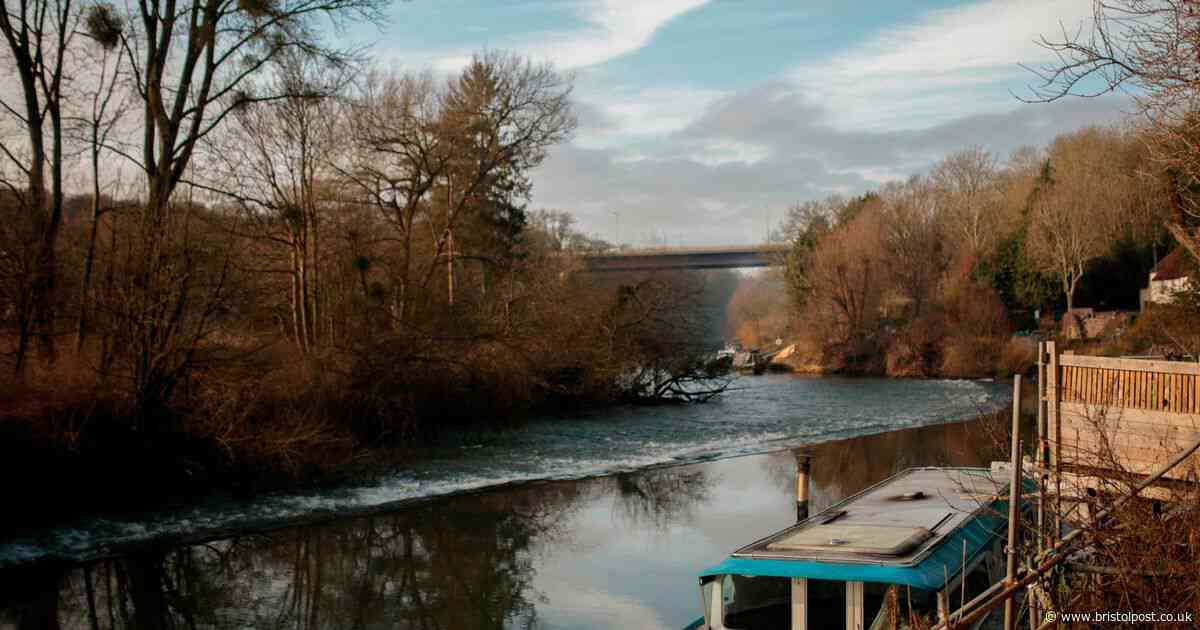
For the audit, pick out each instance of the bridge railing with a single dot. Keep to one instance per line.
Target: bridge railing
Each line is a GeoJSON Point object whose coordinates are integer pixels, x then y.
{"type": "Point", "coordinates": [722, 257]}
{"type": "Point", "coordinates": [769, 248]}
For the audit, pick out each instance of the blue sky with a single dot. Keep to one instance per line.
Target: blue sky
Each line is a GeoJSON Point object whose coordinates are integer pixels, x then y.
{"type": "Point", "coordinates": [702, 121]}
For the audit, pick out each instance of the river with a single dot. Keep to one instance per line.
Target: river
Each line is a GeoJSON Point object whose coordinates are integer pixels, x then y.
{"type": "Point", "coordinates": [596, 520]}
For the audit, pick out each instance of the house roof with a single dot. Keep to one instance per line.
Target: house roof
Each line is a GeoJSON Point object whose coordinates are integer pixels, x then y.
{"type": "Point", "coordinates": [1178, 264]}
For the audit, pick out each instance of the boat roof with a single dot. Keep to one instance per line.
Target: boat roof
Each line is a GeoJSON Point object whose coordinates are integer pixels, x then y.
{"type": "Point", "coordinates": [913, 528]}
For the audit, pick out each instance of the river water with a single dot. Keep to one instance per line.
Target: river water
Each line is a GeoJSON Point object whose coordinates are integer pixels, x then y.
{"type": "Point", "coordinates": [596, 520]}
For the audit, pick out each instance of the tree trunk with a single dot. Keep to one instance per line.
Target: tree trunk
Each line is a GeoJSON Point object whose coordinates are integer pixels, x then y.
{"type": "Point", "coordinates": [305, 300]}
{"type": "Point", "coordinates": [49, 258]}
{"type": "Point", "coordinates": [297, 299]}
{"type": "Point", "coordinates": [90, 593]}
{"type": "Point", "coordinates": [317, 309]}
{"type": "Point", "coordinates": [27, 309]}
{"type": "Point", "coordinates": [23, 335]}
{"type": "Point", "coordinates": [106, 344]}
{"type": "Point", "coordinates": [146, 591]}
{"type": "Point", "coordinates": [90, 257]}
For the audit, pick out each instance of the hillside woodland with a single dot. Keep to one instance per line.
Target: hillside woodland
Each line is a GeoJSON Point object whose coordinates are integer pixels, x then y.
{"type": "Point", "coordinates": [933, 275]}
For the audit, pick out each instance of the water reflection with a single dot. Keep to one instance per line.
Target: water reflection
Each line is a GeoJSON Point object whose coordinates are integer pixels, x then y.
{"type": "Point", "coordinates": [844, 467]}
{"type": "Point", "coordinates": [658, 498]}
{"type": "Point", "coordinates": [610, 552]}
{"type": "Point", "coordinates": [461, 564]}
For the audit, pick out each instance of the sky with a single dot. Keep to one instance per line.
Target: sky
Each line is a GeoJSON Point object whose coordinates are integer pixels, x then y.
{"type": "Point", "coordinates": [702, 121]}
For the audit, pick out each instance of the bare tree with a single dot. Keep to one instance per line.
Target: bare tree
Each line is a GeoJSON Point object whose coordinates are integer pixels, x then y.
{"type": "Point", "coordinates": [969, 182]}
{"type": "Point", "coordinates": [1085, 193]}
{"type": "Point", "coordinates": [164, 319]}
{"type": "Point", "coordinates": [398, 158]}
{"type": "Point", "coordinates": [108, 101]}
{"type": "Point", "coordinates": [758, 311]}
{"type": "Point", "coordinates": [275, 162]}
{"type": "Point", "coordinates": [1150, 47]}
{"type": "Point", "coordinates": [649, 334]}
{"type": "Point", "coordinates": [914, 239]}
{"type": "Point", "coordinates": [846, 279]}
{"type": "Point", "coordinates": [804, 226]}
{"type": "Point", "coordinates": [430, 158]}
{"type": "Point", "coordinates": [556, 226]}
{"type": "Point", "coordinates": [38, 35]}
{"type": "Point", "coordinates": [194, 64]}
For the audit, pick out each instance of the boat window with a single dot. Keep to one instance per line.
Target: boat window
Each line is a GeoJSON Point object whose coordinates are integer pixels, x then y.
{"type": "Point", "coordinates": [826, 605]}
{"type": "Point", "coordinates": [904, 608]}
{"type": "Point", "coordinates": [756, 602]}
{"type": "Point", "coordinates": [884, 603]}
{"type": "Point", "coordinates": [978, 581]}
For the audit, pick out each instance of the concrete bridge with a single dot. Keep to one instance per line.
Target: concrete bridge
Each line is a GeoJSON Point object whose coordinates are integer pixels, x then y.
{"type": "Point", "coordinates": [721, 257]}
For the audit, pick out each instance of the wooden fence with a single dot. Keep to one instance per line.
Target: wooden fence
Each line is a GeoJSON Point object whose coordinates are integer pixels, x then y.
{"type": "Point", "coordinates": [1098, 418]}
{"type": "Point", "coordinates": [1107, 414]}
{"type": "Point", "coordinates": [1131, 383]}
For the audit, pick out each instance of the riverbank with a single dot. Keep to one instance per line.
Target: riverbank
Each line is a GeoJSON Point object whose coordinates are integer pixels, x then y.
{"type": "Point", "coordinates": [89, 448]}
{"type": "Point", "coordinates": [616, 550]}
{"type": "Point", "coordinates": [984, 357]}
{"type": "Point", "coordinates": [87, 456]}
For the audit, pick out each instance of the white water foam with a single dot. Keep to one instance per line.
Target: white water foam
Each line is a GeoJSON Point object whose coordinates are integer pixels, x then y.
{"type": "Point", "coordinates": [627, 451]}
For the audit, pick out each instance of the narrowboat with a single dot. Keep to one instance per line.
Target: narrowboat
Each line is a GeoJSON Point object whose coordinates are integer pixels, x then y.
{"type": "Point", "coordinates": [875, 561]}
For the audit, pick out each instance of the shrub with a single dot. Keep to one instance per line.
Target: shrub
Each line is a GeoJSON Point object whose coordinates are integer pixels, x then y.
{"type": "Point", "coordinates": [1018, 357]}
{"type": "Point", "coordinates": [970, 357]}
{"type": "Point", "coordinates": [1170, 329]}
{"type": "Point", "coordinates": [916, 349]}
{"type": "Point", "coordinates": [976, 328]}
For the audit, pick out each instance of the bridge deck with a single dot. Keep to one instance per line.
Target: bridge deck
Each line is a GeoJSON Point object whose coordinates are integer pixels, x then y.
{"type": "Point", "coordinates": [719, 257]}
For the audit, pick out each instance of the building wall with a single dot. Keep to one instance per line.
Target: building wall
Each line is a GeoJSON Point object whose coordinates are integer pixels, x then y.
{"type": "Point", "coordinates": [1163, 291]}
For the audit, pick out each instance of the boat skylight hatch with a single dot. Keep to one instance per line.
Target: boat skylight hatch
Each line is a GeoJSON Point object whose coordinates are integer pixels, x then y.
{"type": "Point", "coordinates": [853, 538]}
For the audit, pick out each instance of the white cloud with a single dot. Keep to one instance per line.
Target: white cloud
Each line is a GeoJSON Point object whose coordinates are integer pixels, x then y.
{"type": "Point", "coordinates": [611, 28]}
{"type": "Point", "coordinates": [633, 114]}
{"type": "Point", "coordinates": [944, 58]}
{"type": "Point", "coordinates": [581, 605]}
{"type": "Point", "coordinates": [602, 30]}
{"type": "Point", "coordinates": [717, 152]}
{"type": "Point", "coordinates": [674, 187]}
{"type": "Point", "coordinates": [873, 175]}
